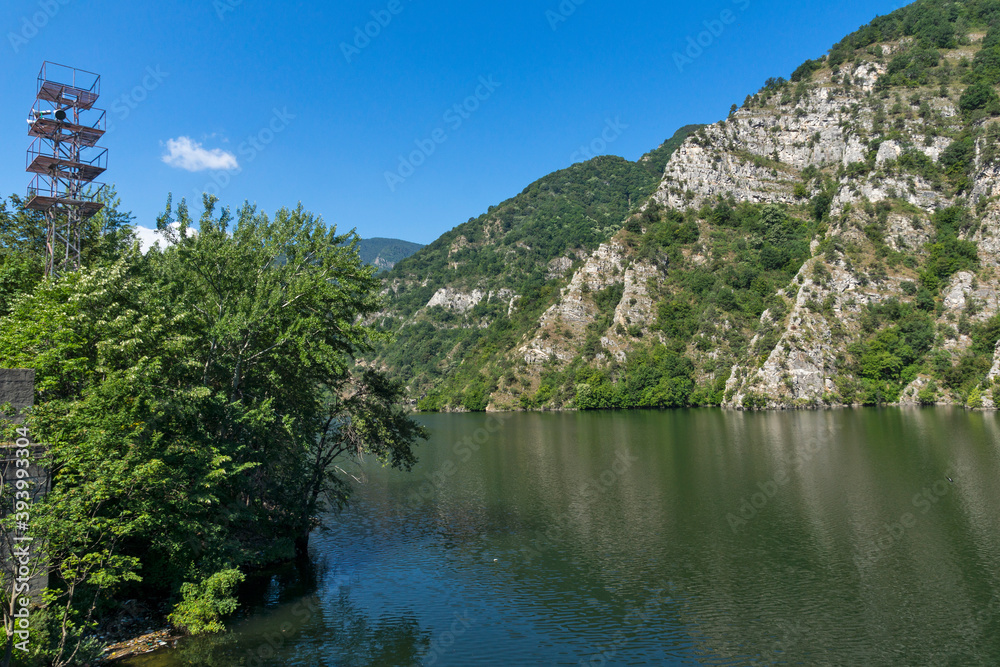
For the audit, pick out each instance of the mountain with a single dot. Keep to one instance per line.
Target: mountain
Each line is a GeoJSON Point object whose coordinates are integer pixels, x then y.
{"type": "Point", "coordinates": [834, 241]}
{"type": "Point", "coordinates": [385, 253]}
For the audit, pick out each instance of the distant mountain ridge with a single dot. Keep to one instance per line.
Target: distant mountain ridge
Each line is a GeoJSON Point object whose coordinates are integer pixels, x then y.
{"type": "Point", "coordinates": [835, 241]}
{"type": "Point", "coordinates": [386, 253]}
{"type": "Point", "coordinates": [503, 262]}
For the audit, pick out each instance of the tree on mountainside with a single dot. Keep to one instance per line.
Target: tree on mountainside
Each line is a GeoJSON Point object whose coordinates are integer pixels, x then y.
{"type": "Point", "coordinates": [980, 97]}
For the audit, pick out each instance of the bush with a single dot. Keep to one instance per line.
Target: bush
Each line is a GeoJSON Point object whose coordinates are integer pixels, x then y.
{"type": "Point", "coordinates": [910, 68]}
{"type": "Point", "coordinates": [948, 254]}
{"type": "Point", "coordinates": [986, 66]}
{"type": "Point", "coordinates": [821, 204]}
{"type": "Point", "coordinates": [805, 71]}
{"type": "Point", "coordinates": [986, 335]}
{"type": "Point", "coordinates": [959, 156]}
{"type": "Point", "coordinates": [975, 399]}
{"type": "Point", "coordinates": [476, 398]}
{"type": "Point", "coordinates": [45, 636]}
{"type": "Point", "coordinates": [979, 97]}
{"type": "Point", "coordinates": [676, 319]}
{"type": "Point", "coordinates": [925, 300]}
{"type": "Point", "coordinates": [919, 163]}
{"type": "Point", "coordinates": [654, 378]}
{"type": "Point", "coordinates": [206, 602]}
{"type": "Point", "coordinates": [608, 298]}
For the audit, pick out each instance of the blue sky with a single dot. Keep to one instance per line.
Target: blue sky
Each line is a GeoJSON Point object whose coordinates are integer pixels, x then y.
{"type": "Point", "coordinates": [439, 111]}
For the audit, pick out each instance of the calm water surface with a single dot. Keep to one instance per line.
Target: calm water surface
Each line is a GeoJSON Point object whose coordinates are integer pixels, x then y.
{"type": "Point", "coordinates": [693, 537]}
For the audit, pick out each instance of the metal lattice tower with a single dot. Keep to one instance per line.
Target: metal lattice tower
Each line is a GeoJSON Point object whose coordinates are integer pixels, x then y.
{"type": "Point", "coordinates": [66, 159]}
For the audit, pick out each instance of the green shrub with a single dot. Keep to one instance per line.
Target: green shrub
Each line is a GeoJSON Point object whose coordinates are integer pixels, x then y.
{"type": "Point", "coordinates": [979, 97]}
{"type": "Point", "coordinates": [653, 377]}
{"type": "Point", "coordinates": [948, 254]}
{"type": "Point", "coordinates": [986, 335]}
{"type": "Point", "coordinates": [805, 71]}
{"type": "Point", "coordinates": [821, 204]}
{"type": "Point", "coordinates": [919, 163]}
{"type": "Point", "coordinates": [975, 399]}
{"type": "Point", "coordinates": [45, 634]}
{"type": "Point", "coordinates": [754, 401]}
{"type": "Point", "coordinates": [910, 68]}
{"type": "Point", "coordinates": [203, 604]}
{"type": "Point", "coordinates": [959, 155]}
{"type": "Point", "coordinates": [608, 298]}
{"type": "Point", "coordinates": [928, 395]}
{"type": "Point", "coordinates": [969, 369]}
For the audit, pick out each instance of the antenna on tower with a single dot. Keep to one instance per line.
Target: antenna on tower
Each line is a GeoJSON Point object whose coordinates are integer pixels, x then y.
{"type": "Point", "coordinates": [66, 159]}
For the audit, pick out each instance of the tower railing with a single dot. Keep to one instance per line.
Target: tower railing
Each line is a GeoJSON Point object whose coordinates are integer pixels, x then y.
{"type": "Point", "coordinates": [66, 159]}
{"type": "Point", "coordinates": [68, 85]}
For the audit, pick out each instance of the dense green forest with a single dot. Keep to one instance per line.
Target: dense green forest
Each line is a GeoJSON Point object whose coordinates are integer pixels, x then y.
{"type": "Point", "coordinates": [659, 374]}
{"type": "Point", "coordinates": [508, 249]}
{"type": "Point", "coordinates": [385, 253]}
{"type": "Point", "coordinates": [731, 306]}
{"type": "Point", "coordinates": [199, 405]}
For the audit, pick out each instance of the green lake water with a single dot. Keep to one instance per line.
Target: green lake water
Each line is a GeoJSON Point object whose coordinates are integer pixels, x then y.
{"type": "Point", "coordinates": [666, 538]}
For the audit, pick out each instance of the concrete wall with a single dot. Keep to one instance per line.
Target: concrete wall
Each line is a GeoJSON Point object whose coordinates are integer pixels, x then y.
{"type": "Point", "coordinates": [17, 387]}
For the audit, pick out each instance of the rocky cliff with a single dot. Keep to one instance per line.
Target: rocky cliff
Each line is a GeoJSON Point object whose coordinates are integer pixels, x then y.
{"type": "Point", "coordinates": [834, 241]}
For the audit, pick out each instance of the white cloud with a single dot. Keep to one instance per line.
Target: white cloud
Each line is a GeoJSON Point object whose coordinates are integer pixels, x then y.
{"type": "Point", "coordinates": [186, 153]}
{"type": "Point", "coordinates": [148, 237]}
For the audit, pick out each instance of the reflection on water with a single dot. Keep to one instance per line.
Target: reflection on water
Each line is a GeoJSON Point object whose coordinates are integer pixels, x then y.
{"type": "Point", "coordinates": [689, 537]}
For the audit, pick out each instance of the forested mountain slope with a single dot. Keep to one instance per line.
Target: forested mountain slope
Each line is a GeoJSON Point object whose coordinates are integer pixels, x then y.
{"type": "Point", "coordinates": [385, 253]}
{"type": "Point", "coordinates": [834, 241]}
{"type": "Point", "coordinates": [462, 300]}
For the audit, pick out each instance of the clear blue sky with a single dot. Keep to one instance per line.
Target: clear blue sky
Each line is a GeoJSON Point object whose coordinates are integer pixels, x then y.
{"type": "Point", "coordinates": [227, 71]}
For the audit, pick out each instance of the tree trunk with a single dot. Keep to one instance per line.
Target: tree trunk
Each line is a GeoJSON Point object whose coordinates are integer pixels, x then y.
{"type": "Point", "coordinates": [302, 544]}
{"type": "Point", "coordinates": [7, 654]}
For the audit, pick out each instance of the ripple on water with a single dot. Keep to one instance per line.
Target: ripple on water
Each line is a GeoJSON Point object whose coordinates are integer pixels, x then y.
{"type": "Point", "coordinates": [504, 564]}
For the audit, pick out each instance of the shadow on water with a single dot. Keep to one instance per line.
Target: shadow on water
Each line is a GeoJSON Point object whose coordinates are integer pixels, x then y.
{"type": "Point", "coordinates": [300, 613]}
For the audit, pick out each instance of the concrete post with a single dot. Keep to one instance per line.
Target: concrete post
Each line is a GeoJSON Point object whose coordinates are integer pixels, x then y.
{"type": "Point", "coordinates": [17, 388]}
